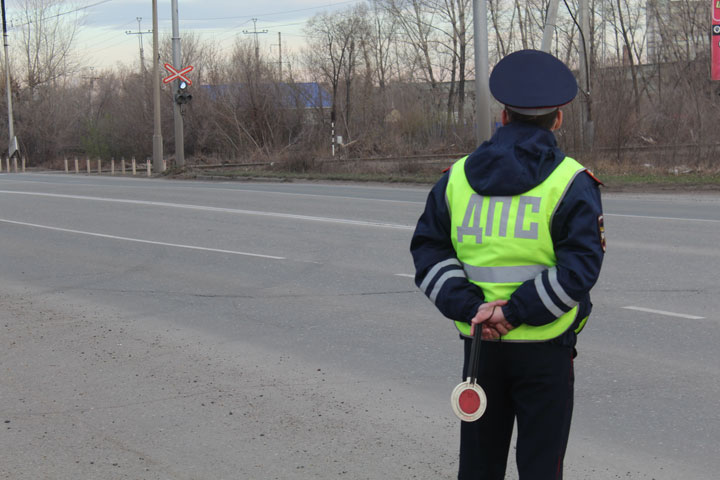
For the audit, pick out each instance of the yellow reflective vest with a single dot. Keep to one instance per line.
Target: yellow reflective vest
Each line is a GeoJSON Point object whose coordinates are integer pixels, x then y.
{"type": "Point", "coordinates": [504, 241]}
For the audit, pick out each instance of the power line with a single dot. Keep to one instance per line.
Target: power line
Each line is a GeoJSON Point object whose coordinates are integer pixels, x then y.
{"type": "Point", "coordinates": [282, 12]}
{"type": "Point", "coordinates": [66, 13]}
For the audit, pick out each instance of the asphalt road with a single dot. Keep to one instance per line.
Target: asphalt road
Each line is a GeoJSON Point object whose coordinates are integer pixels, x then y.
{"type": "Point", "coordinates": [156, 329]}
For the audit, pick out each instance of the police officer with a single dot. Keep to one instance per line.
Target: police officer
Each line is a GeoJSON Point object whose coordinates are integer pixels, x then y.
{"type": "Point", "coordinates": [512, 241]}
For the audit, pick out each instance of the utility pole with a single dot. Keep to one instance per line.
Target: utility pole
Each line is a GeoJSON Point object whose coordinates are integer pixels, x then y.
{"type": "Point", "coordinates": [157, 133]}
{"type": "Point", "coordinates": [92, 79]}
{"type": "Point", "coordinates": [280, 60]}
{"type": "Point", "coordinates": [177, 113]}
{"type": "Point", "coordinates": [550, 20]}
{"type": "Point", "coordinates": [140, 33]}
{"type": "Point", "coordinates": [13, 143]}
{"type": "Point", "coordinates": [588, 127]}
{"type": "Point", "coordinates": [256, 33]}
{"type": "Point", "coordinates": [280, 56]}
{"type": "Point", "coordinates": [482, 72]}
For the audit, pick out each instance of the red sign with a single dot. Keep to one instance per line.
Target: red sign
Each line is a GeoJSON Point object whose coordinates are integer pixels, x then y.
{"type": "Point", "coordinates": [175, 74]}
{"type": "Point", "coordinates": [715, 41]}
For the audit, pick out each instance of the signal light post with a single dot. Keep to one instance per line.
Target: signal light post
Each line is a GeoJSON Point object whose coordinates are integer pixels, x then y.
{"type": "Point", "coordinates": [157, 125]}
{"type": "Point", "coordinates": [181, 85]}
{"type": "Point", "coordinates": [715, 42]}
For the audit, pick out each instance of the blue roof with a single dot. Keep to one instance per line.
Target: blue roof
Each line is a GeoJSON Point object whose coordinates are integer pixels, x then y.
{"type": "Point", "coordinates": [291, 95]}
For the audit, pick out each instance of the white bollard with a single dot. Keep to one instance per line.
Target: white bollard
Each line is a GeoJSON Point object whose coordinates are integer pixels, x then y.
{"type": "Point", "coordinates": [15, 164]}
{"type": "Point", "coordinates": [66, 165]}
{"type": "Point", "coordinates": [7, 162]}
{"type": "Point", "coordinates": [99, 166]}
{"type": "Point", "coordinates": [87, 163]}
{"type": "Point", "coordinates": [122, 165]}
{"type": "Point", "coordinates": [23, 164]}
{"type": "Point", "coordinates": [112, 166]}
{"type": "Point", "coordinates": [149, 168]}
{"type": "Point", "coordinates": [134, 166]}
{"type": "Point", "coordinates": [77, 167]}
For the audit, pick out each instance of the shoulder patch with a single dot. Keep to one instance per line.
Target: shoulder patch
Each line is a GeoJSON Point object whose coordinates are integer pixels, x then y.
{"type": "Point", "coordinates": [597, 180]}
{"type": "Point", "coordinates": [445, 170]}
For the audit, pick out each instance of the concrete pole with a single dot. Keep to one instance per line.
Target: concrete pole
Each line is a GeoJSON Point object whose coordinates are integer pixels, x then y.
{"type": "Point", "coordinates": [177, 114]}
{"type": "Point", "coordinates": [483, 127]}
{"type": "Point", "coordinates": [157, 134]}
{"type": "Point", "coordinates": [280, 55]}
{"type": "Point", "coordinates": [12, 145]}
{"type": "Point", "coordinates": [549, 26]}
{"type": "Point", "coordinates": [587, 123]}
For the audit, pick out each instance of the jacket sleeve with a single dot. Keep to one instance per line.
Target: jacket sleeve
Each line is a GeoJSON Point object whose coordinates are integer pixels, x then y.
{"type": "Point", "coordinates": [579, 247]}
{"type": "Point", "coordinates": [438, 272]}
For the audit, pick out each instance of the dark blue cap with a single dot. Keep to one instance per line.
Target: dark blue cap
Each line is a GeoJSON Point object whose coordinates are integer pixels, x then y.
{"type": "Point", "coordinates": [532, 82]}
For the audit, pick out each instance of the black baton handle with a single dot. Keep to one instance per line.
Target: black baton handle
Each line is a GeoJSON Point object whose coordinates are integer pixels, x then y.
{"type": "Point", "coordinates": [475, 350]}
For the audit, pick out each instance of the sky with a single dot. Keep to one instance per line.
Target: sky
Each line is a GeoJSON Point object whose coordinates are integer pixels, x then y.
{"type": "Point", "coordinates": [103, 41]}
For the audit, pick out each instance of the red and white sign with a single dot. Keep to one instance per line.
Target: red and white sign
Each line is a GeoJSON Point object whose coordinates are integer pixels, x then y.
{"type": "Point", "coordinates": [180, 74]}
{"type": "Point", "coordinates": [715, 41]}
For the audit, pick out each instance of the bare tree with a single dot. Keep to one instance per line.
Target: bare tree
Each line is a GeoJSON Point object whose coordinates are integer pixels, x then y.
{"type": "Point", "coordinates": [416, 22]}
{"type": "Point", "coordinates": [48, 36]}
{"type": "Point", "coordinates": [333, 49]}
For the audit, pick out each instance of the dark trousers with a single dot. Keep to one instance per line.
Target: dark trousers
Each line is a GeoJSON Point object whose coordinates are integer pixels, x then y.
{"type": "Point", "coordinates": [532, 382]}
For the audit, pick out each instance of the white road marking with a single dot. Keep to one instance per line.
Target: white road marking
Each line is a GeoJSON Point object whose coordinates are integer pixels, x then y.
{"type": "Point", "coordinates": [663, 218]}
{"type": "Point", "coordinates": [345, 221]}
{"type": "Point", "coordinates": [138, 240]}
{"type": "Point", "coordinates": [404, 275]}
{"type": "Point", "coordinates": [238, 189]}
{"type": "Point", "coordinates": [663, 312]}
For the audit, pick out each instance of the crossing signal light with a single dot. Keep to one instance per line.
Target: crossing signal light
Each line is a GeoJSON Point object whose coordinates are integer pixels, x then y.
{"type": "Point", "coordinates": [182, 96]}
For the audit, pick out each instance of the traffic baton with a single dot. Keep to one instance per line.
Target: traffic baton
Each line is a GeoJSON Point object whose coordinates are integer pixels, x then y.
{"type": "Point", "coordinates": [468, 399]}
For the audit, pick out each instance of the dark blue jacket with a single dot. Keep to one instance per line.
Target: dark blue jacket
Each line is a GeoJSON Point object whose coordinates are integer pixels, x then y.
{"type": "Point", "coordinates": [516, 159]}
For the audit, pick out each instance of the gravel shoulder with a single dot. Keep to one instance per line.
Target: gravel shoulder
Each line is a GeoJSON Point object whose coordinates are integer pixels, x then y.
{"type": "Point", "coordinates": [87, 394]}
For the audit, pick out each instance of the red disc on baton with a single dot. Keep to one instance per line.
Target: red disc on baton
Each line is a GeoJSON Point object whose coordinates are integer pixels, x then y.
{"type": "Point", "coordinates": [468, 401]}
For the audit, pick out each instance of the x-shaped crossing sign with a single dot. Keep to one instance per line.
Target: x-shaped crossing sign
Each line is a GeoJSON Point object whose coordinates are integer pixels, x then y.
{"type": "Point", "coordinates": [175, 74]}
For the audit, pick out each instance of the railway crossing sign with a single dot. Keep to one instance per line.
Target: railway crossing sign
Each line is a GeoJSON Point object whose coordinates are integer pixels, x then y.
{"type": "Point", "coordinates": [177, 74]}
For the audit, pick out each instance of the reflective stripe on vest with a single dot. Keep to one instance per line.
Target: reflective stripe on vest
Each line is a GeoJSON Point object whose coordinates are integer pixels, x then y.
{"type": "Point", "coordinates": [504, 241]}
